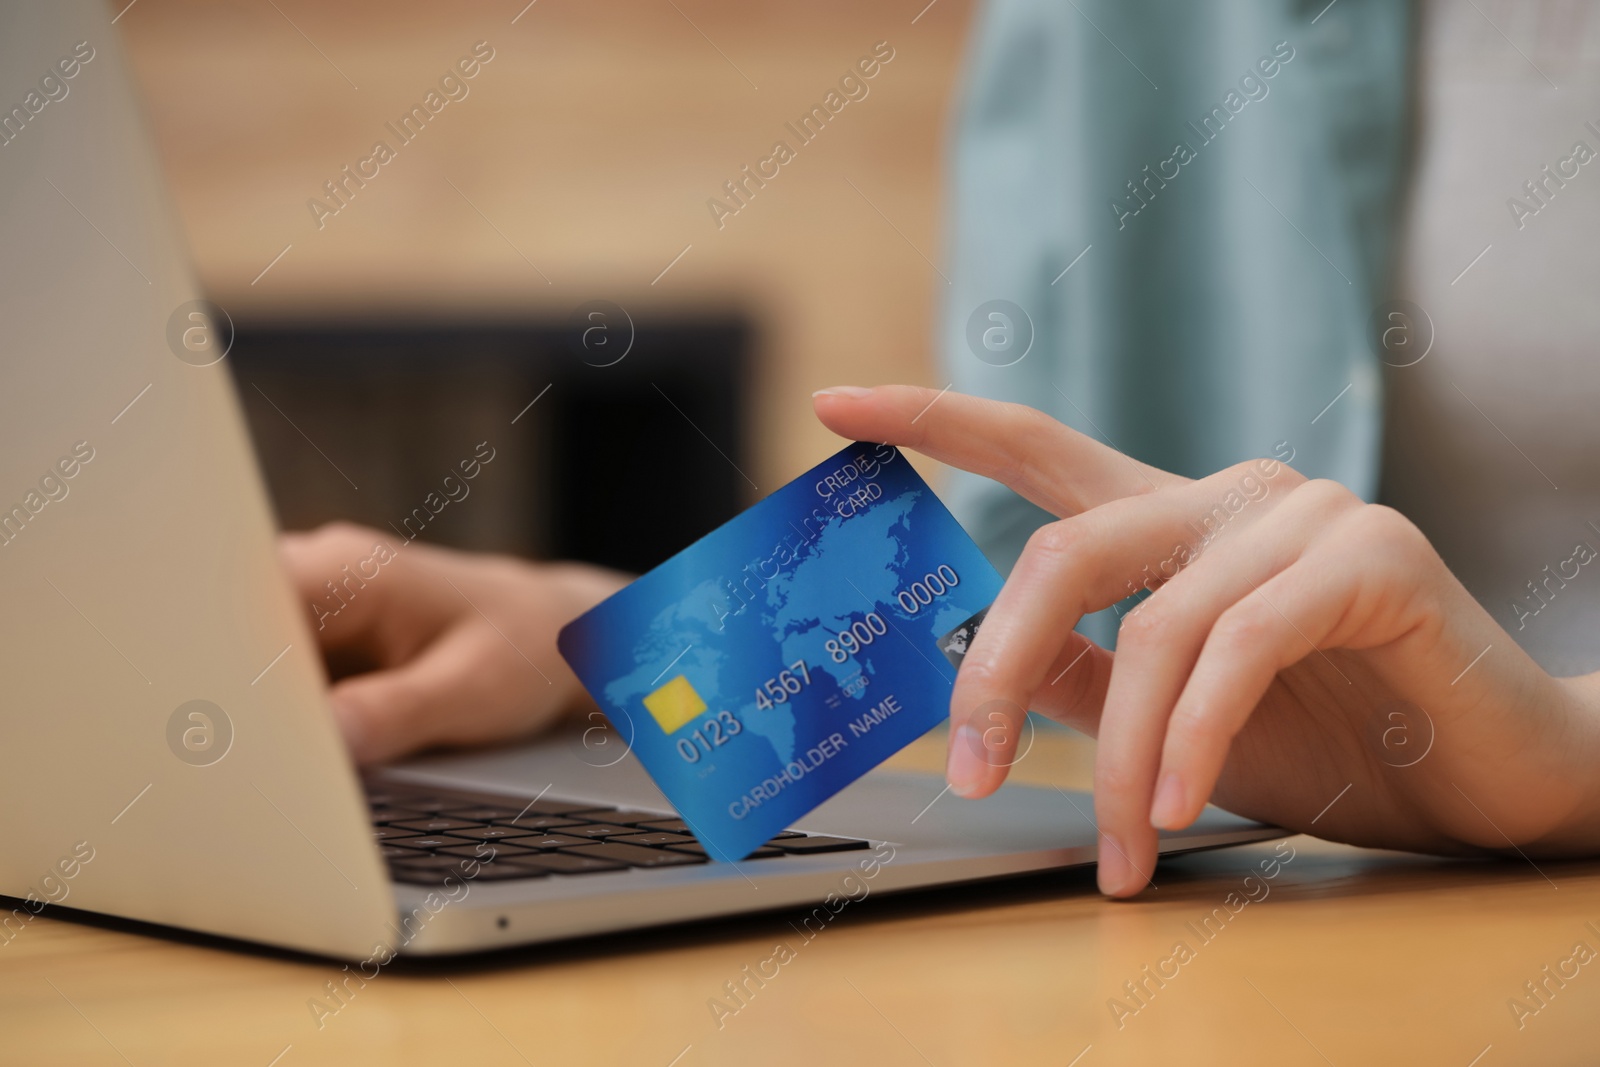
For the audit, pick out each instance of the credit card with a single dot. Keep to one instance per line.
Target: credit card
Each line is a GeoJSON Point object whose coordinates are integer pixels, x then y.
{"type": "Point", "coordinates": [791, 650]}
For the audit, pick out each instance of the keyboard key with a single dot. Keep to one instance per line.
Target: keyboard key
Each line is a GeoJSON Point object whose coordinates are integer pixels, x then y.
{"type": "Point", "coordinates": [657, 839]}
{"type": "Point", "coordinates": [481, 813]}
{"type": "Point", "coordinates": [423, 844]}
{"type": "Point", "coordinates": [491, 833]}
{"type": "Point", "coordinates": [504, 872]}
{"type": "Point", "coordinates": [419, 875]}
{"type": "Point", "coordinates": [697, 849]}
{"type": "Point", "coordinates": [486, 852]}
{"type": "Point", "coordinates": [383, 815]}
{"type": "Point", "coordinates": [671, 825]}
{"type": "Point", "coordinates": [561, 807]}
{"type": "Point", "coordinates": [818, 843]}
{"type": "Point", "coordinates": [428, 862]}
{"type": "Point", "coordinates": [389, 795]}
{"type": "Point", "coordinates": [545, 842]}
{"type": "Point", "coordinates": [629, 818]}
{"type": "Point", "coordinates": [436, 825]}
{"type": "Point", "coordinates": [599, 829]}
{"type": "Point", "coordinates": [389, 852]}
{"type": "Point", "coordinates": [634, 856]}
{"type": "Point", "coordinates": [787, 834]}
{"type": "Point", "coordinates": [425, 804]}
{"type": "Point", "coordinates": [580, 862]}
{"type": "Point", "coordinates": [538, 822]}
{"type": "Point", "coordinates": [389, 833]}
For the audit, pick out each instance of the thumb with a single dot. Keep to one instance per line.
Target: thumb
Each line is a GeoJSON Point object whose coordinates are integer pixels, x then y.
{"type": "Point", "coordinates": [993, 738]}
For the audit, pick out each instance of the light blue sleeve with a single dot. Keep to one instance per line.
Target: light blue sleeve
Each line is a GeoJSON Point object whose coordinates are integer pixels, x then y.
{"type": "Point", "coordinates": [1197, 248]}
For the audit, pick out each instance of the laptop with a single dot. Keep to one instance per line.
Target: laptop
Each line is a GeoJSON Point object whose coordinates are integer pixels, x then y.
{"type": "Point", "coordinates": [168, 755]}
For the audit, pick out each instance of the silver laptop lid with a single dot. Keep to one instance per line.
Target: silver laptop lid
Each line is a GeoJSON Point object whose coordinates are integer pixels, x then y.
{"type": "Point", "coordinates": [166, 752]}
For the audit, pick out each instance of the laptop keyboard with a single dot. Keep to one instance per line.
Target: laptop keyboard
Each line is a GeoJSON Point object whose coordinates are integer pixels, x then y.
{"type": "Point", "coordinates": [426, 836]}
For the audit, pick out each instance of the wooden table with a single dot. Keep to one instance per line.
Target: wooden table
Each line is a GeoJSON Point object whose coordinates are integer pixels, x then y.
{"type": "Point", "coordinates": [1352, 957]}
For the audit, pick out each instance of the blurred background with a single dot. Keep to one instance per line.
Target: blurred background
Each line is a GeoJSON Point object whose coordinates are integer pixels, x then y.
{"type": "Point", "coordinates": [376, 350]}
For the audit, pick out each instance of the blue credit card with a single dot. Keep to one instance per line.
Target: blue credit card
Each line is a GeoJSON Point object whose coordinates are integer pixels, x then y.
{"type": "Point", "coordinates": [791, 650]}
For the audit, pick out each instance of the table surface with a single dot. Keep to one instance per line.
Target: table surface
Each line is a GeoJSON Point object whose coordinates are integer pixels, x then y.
{"type": "Point", "coordinates": [1345, 957]}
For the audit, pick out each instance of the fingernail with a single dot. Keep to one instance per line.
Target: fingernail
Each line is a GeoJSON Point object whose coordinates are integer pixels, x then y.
{"type": "Point", "coordinates": [966, 771]}
{"type": "Point", "coordinates": [1167, 813]}
{"type": "Point", "coordinates": [843, 390]}
{"type": "Point", "coordinates": [1114, 870]}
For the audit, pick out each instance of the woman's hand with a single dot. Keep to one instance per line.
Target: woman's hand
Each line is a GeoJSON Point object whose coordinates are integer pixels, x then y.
{"type": "Point", "coordinates": [430, 646]}
{"type": "Point", "coordinates": [1305, 659]}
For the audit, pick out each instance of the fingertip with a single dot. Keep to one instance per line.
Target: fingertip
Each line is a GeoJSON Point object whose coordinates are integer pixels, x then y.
{"type": "Point", "coordinates": [1121, 869]}
{"type": "Point", "coordinates": [1171, 808]}
{"type": "Point", "coordinates": [1113, 872]}
{"type": "Point", "coordinates": [836, 405]}
{"type": "Point", "coordinates": [968, 773]}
